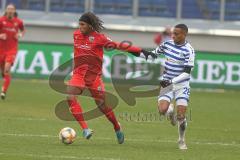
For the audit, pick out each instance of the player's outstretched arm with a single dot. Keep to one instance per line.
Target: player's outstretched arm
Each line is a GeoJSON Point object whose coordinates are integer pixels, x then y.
{"type": "Point", "coordinates": [150, 54]}
{"type": "Point", "coordinates": [134, 50]}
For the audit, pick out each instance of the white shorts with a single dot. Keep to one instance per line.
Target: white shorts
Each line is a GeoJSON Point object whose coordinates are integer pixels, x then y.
{"type": "Point", "coordinates": [181, 96]}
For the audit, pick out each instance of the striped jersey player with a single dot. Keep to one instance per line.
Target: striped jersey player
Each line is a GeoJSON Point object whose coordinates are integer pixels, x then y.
{"type": "Point", "coordinates": [179, 62]}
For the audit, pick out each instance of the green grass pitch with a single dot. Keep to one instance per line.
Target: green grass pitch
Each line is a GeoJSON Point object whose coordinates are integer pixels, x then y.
{"type": "Point", "coordinates": [29, 128]}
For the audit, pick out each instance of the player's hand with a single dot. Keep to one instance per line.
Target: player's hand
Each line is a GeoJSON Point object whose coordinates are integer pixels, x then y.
{"type": "Point", "coordinates": [18, 35]}
{"type": "Point", "coordinates": [147, 53]}
{"type": "Point", "coordinates": [165, 83]}
{"type": "Point", "coordinates": [3, 36]}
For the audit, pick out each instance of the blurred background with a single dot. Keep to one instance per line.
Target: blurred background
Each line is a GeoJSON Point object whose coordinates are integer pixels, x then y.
{"type": "Point", "coordinates": [214, 32]}
{"type": "Point", "coordinates": [136, 20]}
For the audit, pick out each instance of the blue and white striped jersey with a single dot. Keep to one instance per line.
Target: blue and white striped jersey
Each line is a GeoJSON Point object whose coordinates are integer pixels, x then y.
{"type": "Point", "coordinates": [176, 58]}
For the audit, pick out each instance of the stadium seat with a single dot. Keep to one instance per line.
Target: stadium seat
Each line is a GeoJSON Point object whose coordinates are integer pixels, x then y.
{"type": "Point", "coordinates": [67, 6]}
{"type": "Point", "coordinates": [212, 9]}
{"type": "Point", "coordinates": [122, 7]}
{"type": "Point", "coordinates": [158, 8]}
{"type": "Point", "coordinates": [56, 5]}
{"type": "Point", "coordinates": [38, 5]}
{"type": "Point", "coordinates": [74, 5]}
{"type": "Point", "coordinates": [190, 9]}
{"type": "Point", "coordinates": [232, 10]}
{"type": "Point", "coordinates": [17, 3]}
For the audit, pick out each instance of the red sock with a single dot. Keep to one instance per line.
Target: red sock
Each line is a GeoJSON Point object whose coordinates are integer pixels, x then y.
{"type": "Point", "coordinates": [111, 117]}
{"type": "Point", "coordinates": [77, 112]}
{"type": "Point", "coordinates": [6, 83]}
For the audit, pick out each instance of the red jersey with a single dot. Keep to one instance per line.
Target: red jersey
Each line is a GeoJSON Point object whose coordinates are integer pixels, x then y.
{"type": "Point", "coordinates": [88, 52]}
{"type": "Point", "coordinates": [11, 28]}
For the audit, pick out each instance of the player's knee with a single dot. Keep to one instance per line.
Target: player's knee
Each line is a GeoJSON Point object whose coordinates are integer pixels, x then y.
{"type": "Point", "coordinates": [71, 91]}
{"type": "Point", "coordinates": [6, 72]}
{"type": "Point", "coordinates": [163, 107]}
{"type": "Point", "coordinates": [181, 113]}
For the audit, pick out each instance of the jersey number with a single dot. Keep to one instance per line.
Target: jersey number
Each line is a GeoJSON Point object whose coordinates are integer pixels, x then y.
{"type": "Point", "coordinates": [186, 91]}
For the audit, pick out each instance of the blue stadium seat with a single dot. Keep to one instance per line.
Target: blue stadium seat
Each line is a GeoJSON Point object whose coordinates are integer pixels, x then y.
{"type": "Point", "coordinates": [191, 9]}
{"type": "Point", "coordinates": [38, 5]}
{"type": "Point", "coordinates": [76, 6]}
{"type": "Point", "coordinates": [213, 7]}
{"type": "Point", "coordinates": [122, 7]}
{"type": "Point", "coordinates": [232, 10]}
{"type": "Point", "coordinates": [157, 8]}
{"type": "Point", "coordinates": [17, 3]}
{"type": "Point", "coordinates": [56, 5]}
{"type": "Point", "coordinates": [172, 7]}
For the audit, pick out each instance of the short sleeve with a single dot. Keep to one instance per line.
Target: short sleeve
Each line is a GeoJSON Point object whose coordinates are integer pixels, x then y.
{"type": "Point", "coordinates": [189, 58]}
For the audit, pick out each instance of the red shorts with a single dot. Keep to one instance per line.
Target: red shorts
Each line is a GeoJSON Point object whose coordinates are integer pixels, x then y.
{"type": "Point", "coordinates": [82, 82]}
{"type": "Point", "coordinates": [10, 58]}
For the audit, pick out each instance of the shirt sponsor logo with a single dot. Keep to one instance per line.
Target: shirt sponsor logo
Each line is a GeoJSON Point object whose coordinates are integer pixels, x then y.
{"type": "Point", "coordinates": [91, 38]}
{"type": "Point", "coordinates": [10, 29]}
{"type": "Point", "coordinates": [84, 46]}
{"type": "Point", "coordinates": [181, 54]}
{"type": "Point", "coordinates": [173, 61]}
{"type": "Point", "coordinates": [99, 88]}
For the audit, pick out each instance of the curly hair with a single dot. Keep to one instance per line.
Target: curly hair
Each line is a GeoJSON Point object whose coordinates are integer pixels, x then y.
{"type": "Point", "coordinates": [92, 20]}
{"type": "Point", "coordinates": [11, 4]}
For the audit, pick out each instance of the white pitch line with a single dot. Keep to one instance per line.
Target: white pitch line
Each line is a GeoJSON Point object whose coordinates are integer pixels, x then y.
{"type": "Point", "coordinates": [24, 119]}
{"type": "Point", "coordinates": [28, 135]}
{"type": "Point", "coordinates": [137, 122]}
{"type": "Point", "coordinates": [129, 139]}
{"type": "Point", "coordinates": [60, 157]}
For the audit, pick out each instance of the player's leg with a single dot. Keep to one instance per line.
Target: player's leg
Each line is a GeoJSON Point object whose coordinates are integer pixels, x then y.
{"type": "Point", "coordinates": [2, 73]}
{"type": "Point", "coordinates": [9, 59]}
{"type": "Point", "coordinates": [98, 92]}
{"type": "Point", "coordinates": [165, 107]}
{"type": "Point", "coordinates": [182, 125]}
{"type": "Point", "coordinates": [77, 110]}
{"type": "Point", "coordinates": [2, 67]}
{"type": "Point", "coordinates": [6, 79]}
{"type": "Point", "coordinates": [182, 97]}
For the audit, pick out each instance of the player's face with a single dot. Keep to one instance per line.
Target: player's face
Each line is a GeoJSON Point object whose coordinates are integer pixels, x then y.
{"type": "Point", "coordinates": [84, 27]}
{"type": "Point", "coordinates": [10, 11]}
{"type": "Point", "coordinates": [179, 36]}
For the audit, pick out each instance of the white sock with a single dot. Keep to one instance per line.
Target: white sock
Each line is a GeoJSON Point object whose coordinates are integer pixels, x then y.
{"type": "Point", "coordinates": [181, 130]}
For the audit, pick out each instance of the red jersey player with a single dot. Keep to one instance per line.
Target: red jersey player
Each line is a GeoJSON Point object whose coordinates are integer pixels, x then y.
{"type": "Point", "coordinates": [88, 56]}
{"type": "Point", "coordinates": [11, 28]}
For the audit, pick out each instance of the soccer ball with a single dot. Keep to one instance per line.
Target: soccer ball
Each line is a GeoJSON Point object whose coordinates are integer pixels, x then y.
{"type": "Point", "coordinates": [67, 135]}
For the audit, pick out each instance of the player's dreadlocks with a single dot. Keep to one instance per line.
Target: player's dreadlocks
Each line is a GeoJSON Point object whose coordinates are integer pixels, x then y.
{"type": "Point", "coordinates": [11, 4]}
{"type": "Point", "coordinates": [91, 19]}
